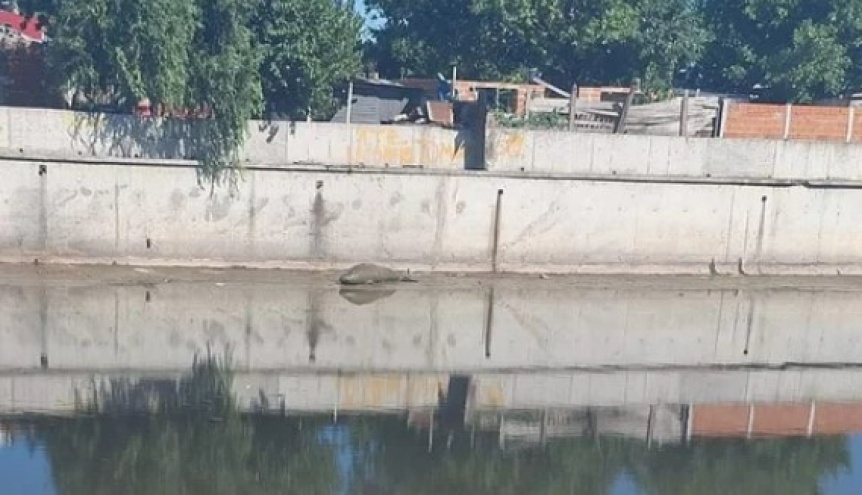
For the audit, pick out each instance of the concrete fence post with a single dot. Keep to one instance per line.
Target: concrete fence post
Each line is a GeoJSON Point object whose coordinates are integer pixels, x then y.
{"type": "Point", "coordinates": [683, 115]}
{"type": "Point", "coordinates": [788, 116]}
{"type": "Point", "coordinates": [573, 105]}
{"type": "Point", "coordinates": [851, 121]}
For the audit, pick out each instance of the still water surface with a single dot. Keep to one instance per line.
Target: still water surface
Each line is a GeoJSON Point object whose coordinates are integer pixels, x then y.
{"type": "Point", "coordinates": [209, 385]}
{"type": "Point", "coordinates": [376, 454]}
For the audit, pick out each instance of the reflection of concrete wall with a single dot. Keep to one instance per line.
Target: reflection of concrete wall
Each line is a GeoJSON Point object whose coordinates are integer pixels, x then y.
{"type": "Point", "coordinates": [659, 424]}
{"type": "Point", "coordinates": [437, 326]}
{"type": "Point", "coordinates": [334, 393]}
{"type": "Point", "coordinates": [148, 214]}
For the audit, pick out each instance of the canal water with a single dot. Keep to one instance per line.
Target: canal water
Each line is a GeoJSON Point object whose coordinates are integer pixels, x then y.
{"type": "Point", "coordinates": [148, 381]}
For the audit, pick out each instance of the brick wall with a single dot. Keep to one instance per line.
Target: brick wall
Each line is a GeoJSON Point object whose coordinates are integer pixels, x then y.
{"type": "Point", "coordinates": [775, 420]}
{"type": "Point", "coordinates": [823, 123]}
{"type": "Point", "coordinates": [601, 93]}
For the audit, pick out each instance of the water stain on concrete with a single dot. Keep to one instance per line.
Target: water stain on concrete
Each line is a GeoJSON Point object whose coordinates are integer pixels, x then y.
{"type": "Point", "coordinates": [178, 200]}
{"type": "Point", "coordinates": [218, 209]}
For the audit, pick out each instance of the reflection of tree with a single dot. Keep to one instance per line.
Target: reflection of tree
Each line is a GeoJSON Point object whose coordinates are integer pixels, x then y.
{"type": "Point", "coordinates": [188, 437]}
{"type": "Point", "coordinates": [194, 442]}
{"type": "Point", "coordinates": [397, 461]}
{"type": "Point", "coordinates": [758, 467]}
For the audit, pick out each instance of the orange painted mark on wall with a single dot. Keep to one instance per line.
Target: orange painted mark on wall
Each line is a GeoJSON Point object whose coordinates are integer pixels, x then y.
{"type": "Point", "coordinates": [388, 392]}
{"type": "Point", "coordinates": [401, 146]}
{"type": "Point", "coordinates": [510, 144]}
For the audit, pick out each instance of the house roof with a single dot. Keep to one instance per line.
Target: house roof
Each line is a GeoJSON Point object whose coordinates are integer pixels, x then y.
{"type": "Point", "coordinates": [28, 29]}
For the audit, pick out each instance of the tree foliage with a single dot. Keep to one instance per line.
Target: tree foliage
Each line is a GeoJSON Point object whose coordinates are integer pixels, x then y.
{"type": "Point", "coordinates": [588, 41]}
{"type": "Point", "coordinates": [797, 50]}
{"type": "Point", "coordinates": [221, 57]}
{"type": "Point", "coordinates": [308, 47]}
{"type": "Point", "coordinates": [179, 54]}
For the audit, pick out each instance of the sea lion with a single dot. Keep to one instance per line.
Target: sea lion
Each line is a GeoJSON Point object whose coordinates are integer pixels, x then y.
{"type": "Point", "coordinates": [368, 273]}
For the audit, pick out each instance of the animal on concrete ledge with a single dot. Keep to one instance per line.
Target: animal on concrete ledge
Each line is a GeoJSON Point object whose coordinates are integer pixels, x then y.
{"type": "Point", "coordinates": [367, 273]}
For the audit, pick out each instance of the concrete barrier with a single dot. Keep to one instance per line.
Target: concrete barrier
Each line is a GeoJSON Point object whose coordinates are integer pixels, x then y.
{"type": "Point", "coordinates": [558, 152]}
{"type": "Point", "coordinates": [268, 143]}
{"type": "Point", "coordinates": [279, 144]}
{"type": "Point", "coordinates": [314, 218]}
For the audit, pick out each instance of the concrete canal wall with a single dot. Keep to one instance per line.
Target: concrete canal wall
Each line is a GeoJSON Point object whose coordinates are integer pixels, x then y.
{"type": "Point", "coordinates": [584, 204]}
{"type": "Point", "coordinates": [313, 218]}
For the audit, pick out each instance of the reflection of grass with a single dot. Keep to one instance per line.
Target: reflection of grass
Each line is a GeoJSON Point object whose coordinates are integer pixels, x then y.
{"type": "Point", "coordinates": [400, 463]}
{"type": "Point", "coordinates": [206, 390]}
{"type": "Point", "coordinates": [193, 441]}
{"type": "Point", "coordinates": [184, 437]}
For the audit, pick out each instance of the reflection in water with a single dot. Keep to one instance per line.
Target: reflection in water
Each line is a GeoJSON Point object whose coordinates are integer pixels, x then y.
{"type": "Point", "coordinates": [189, 437]}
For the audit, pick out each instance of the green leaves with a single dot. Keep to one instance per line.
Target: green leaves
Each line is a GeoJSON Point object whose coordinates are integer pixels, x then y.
{"type": "Point", "coordinates": [589, 41]}
{"type": "Point", "coordinates": [307, 47]}
{"type": "Point", "coordinates": [799, 50]}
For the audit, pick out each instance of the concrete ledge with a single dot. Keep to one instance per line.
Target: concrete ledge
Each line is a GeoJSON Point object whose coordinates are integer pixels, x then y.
{"type": "Point", "coordinates": [8, 155]}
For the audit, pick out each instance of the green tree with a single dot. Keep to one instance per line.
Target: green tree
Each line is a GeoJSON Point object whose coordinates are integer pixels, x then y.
{"type": "Point", "coordinates": [308, 48]}
{"type": "Point", "coordinates": [188, 54]}
{"type": "Point", "coordinates": [588, 41]}
{"type": "Point", "coordinates": [798, 50]}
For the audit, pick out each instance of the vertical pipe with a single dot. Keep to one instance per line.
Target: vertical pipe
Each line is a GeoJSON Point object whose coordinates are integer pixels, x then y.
{"type": "Point", "coordinates": [489, 322]}
{"type": "Point", "coordinates": [851, 121]}
{"type": "Point", "coordinates": [349, 116]}
{"type": "Point", "coordinates": [454, 82]}
{"type": "Point", "coordinates": [431, 434]}
{"type": "Point", "coordinates": [496, 246]}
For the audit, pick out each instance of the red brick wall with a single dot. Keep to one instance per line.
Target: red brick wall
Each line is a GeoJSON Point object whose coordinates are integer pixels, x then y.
{"type": "Point", "coordinates": [823, 123]}
{"type": "Point", "coordinates": [719, 421]}
{"type": "Point", "coordinates": [601, 93]}
{"type": "Point", "coordinates": [754, 121]}
{"type": "Point", "coordinates": [775, 420]}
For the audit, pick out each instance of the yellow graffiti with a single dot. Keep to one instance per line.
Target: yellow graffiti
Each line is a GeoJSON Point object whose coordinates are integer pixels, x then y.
{"type": "Point", "coordinates": [510, 144]}
{"type": "Point", "coordinates": [490, 395]}
{"type": "Point", "coordinates": [405, 146]}
{"type": "Point", "coordinates": [387, 392]}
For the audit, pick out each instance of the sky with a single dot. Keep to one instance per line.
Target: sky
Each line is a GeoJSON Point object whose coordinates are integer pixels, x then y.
{"type": "Point", "coordinates": [359, 6]}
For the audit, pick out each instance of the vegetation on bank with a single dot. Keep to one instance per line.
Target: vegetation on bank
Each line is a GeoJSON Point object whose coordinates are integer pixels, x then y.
{"type": "Point", "coordinates": [235, 60]}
